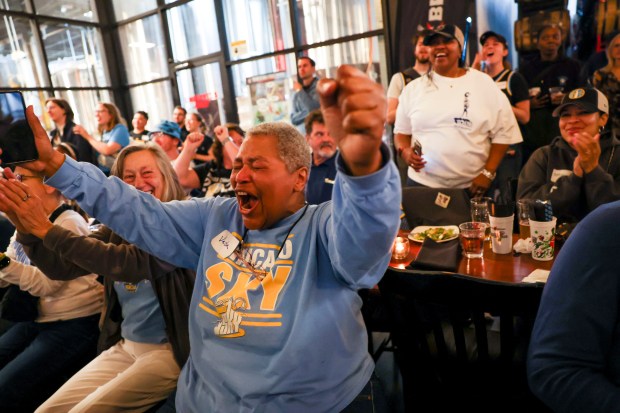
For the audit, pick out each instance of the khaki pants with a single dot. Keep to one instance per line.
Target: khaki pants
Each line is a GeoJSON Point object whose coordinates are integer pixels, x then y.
{"type": "Point", "coordinates": [129, 376]}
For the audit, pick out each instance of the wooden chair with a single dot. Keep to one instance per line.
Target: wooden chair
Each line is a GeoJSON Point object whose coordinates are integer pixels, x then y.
{"type": "Point", "coordinates": [448, 353]}
{"type": "Point", "coordinates": [421, 206]}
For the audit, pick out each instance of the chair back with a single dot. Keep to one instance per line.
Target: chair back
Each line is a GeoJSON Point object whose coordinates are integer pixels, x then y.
{"type": "Point", "coordinates": [460, 341]}
{"type": "Point", "coordinates": [433, 206]}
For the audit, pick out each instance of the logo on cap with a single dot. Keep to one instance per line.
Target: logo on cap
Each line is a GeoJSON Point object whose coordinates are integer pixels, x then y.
{"type": "Point", "coordinates": [576, 94]}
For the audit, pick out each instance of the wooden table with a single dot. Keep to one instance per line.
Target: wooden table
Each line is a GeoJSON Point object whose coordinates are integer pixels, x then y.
{"type": "Point", "coordinates": [496, 267]}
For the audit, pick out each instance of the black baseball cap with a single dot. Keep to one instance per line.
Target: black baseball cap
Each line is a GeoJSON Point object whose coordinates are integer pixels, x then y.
{"type": "Point", "coordinates": [587, 98]}
{"type": "Point", "coordinates": [448, 31]}
{"type": "Point", "coordinates": [498, 36]}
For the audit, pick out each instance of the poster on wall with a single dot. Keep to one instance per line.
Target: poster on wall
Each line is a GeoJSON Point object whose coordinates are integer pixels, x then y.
{"type": "Point", "coordinates": [268, 94]}
{"type": "Point", "coordinates": [208, 106]}
{"type": "Point", "coordinates": [429, 14]}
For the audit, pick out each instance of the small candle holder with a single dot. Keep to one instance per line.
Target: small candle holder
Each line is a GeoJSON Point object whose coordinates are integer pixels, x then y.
{"type": "Point", "coordinates": [400, 249]}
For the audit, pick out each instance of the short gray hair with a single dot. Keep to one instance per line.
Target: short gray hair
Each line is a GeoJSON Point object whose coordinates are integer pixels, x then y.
{"type": "Point", "coordinates": [292, 146]}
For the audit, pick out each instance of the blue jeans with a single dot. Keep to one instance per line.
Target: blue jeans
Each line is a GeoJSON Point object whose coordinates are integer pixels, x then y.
{"type": "Point", "coordinates": [37, 358]}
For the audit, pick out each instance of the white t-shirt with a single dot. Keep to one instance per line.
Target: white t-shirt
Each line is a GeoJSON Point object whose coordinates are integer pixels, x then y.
{"type": "Point", "coordinates": [59, 300]}
{"type": "Point", "coordinates": [455, 120]}
{"type": "Point", "coordinates": [397, 84]}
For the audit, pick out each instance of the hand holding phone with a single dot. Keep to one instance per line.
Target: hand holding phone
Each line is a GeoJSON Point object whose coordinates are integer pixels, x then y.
{"type": "Point", "coordinates": [16, 136]}
{"type": "Point", "coordinates": [417, 148]}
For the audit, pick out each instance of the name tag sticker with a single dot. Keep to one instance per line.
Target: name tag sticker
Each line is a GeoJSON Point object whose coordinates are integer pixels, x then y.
{"type": "Point", "coordinates": [442, 200]}
{"type": "Point", "coordinates": [224, 243]}
{"type": "Point", "coordinates": [558, 173]}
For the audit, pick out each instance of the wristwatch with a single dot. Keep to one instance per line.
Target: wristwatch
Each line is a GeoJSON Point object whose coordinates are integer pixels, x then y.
{"type": "Point", "coordinates": [488, 174]}
{"type": "Point", "coordinates": [4, 261]}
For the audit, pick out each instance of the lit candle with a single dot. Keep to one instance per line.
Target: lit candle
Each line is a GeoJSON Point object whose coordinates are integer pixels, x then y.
{"type": "Point", "coordinates": [401, 248]}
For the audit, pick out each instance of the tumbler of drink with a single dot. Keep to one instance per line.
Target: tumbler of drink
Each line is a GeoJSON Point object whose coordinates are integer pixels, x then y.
{"type": "Point", "coordinates": [472, 235]}
{"type": "Point", "coordinates": [480, 212]}
{"type": "Point", "coordinates": [543, 239]}
{"type": "Point", "coordinates": [523, 212]}
{"type": "Point", "coordinates": [501, 234]}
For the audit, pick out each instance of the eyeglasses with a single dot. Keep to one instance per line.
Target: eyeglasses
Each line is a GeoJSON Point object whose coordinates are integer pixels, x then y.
{"type": "Point", "coordinates": [256, 272]}
{"type": "Point", "coordinates": [22, 178]}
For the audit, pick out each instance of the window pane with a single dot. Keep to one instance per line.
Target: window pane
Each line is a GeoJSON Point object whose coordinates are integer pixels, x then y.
{"type": "Point", "coordinates": [15, 5]}
{"type": "Point", "coordinates": [155, 99]}
{"type": "Point", "coordinates": [124, 9]}
{"type": "Point", "coordinates": [68, 9]}
{"type": "Point", "coordinates": [201, 91]}
{"type": "Point", "coordinates": [255, 27]}
{"type": "Point", "coordinates": [37, 100]}
{"type": "Point", "coordinates": [143, 50]}
{"type": "Point", "coordinates": [264, 89]}
{"type": "Point", "coordinates": [323, 20]}
{"type": "Point", "coordinates": [193, 30]}
{"type": "Point", "coordinates": [83, 103]}
{"type": "Point", "coordinates": [74, 55]}
{"type": "Point", "coordinates": [20, 55]}
{"type": "Point", "coordinates": [260, 84]}
{"type": "Point", "coordinates": [366, 54]}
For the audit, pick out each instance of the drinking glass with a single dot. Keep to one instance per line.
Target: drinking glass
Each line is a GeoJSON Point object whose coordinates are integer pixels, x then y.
{"type": "Point", "coordinates": [400, 249]}
{"type": "Point", "coordinates": [523, 211]}
{"type": "Point", "coordinates": [543, 239]}
{"type": "Point", "coordinates": [480, 212]}
{"type": "Point", "coordinates": [472, 235]}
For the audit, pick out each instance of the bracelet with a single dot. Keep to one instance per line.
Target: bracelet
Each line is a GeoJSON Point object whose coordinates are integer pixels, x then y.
{"type": "Point", "coordinates": [490, 175]}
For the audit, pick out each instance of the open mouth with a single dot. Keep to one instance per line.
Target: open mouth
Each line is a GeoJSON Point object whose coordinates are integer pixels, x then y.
{"type": "Point", "coordinates": [440, 55]}
{"type": "Point", "coordinates": [246, 201]}
{"type": "Point", "coordinates": [490, 54]}
{"type": "Point", "coordinates": [145, 190]}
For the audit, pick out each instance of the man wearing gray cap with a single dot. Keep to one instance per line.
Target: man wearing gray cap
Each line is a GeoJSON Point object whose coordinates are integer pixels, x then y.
{"type": "Point", "coordinates": [579, 170]}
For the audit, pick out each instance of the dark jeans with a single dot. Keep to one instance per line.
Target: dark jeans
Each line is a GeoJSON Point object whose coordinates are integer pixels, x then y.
{"type": "Point", "coordinates": [37, 358]}
{"type": "Point", "coordinates": [370, 400]}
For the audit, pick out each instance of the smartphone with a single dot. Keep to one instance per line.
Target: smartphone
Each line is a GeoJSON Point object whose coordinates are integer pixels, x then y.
{"type": "Point", "coordinates": [16, 137]}
{"type": "Point", "coordinates": [417, 148]}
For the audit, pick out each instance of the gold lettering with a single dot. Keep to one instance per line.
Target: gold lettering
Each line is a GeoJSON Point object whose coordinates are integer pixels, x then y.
{"type": "Point", "coordinates": [244, 283]}
{"type": "Point", "coordinates": [272, 286]}
{"type": "Point", "coordinates": [216, 275]}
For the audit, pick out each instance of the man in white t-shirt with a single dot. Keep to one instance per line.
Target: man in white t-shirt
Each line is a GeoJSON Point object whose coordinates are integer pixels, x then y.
{"type": "Point", "coordinates": [402, 79]}
{"type": "Point", "coordinates": [462, 120]}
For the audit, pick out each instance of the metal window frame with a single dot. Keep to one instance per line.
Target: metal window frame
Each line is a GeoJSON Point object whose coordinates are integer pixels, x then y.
{"type": "Point", "coordinates": [112, 51]}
